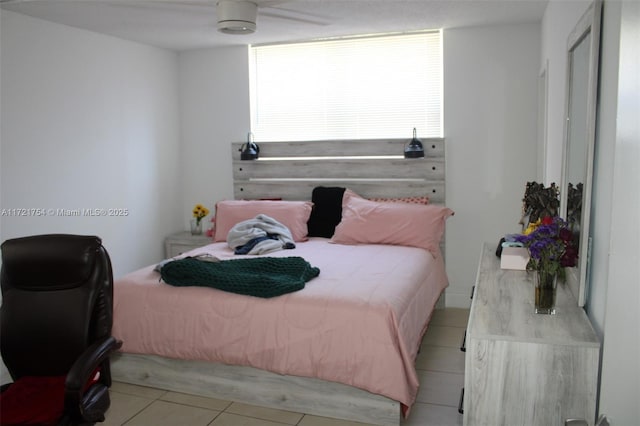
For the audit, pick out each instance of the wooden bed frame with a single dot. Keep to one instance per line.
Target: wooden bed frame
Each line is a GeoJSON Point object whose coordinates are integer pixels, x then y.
{"type": "Point", "coordinates": [290, 170]}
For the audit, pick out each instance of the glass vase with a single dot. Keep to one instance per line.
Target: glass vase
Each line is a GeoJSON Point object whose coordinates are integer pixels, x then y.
{"type": "Point", "coordinates": [196, 227]}
{"type": "Point", "coordinates": [545, 291]}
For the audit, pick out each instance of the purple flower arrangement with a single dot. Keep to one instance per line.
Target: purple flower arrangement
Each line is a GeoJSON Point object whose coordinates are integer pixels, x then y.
{"type": "Point", "coordinates": [551, 246]}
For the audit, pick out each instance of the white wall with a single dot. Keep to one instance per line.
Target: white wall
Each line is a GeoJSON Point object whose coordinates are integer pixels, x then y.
{"type": "Point", "coordinates": [490, 110]}
{"type": "Point", "coordinates": [89, 121]}
{"type": "Point", "coordinates": [214, 111]}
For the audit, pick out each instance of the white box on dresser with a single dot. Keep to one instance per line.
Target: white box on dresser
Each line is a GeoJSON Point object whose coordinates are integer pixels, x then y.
{"type": "Point", "coordinates": [523, 368]}
{"type": "Point", "coordinates": [180, 242]}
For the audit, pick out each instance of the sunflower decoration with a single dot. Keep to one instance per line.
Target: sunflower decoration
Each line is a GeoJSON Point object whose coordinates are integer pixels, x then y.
{"type": "Point", "coordinates": [200, 211]}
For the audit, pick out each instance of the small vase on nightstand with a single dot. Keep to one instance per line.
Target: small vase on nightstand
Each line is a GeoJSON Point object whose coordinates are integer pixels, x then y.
{"type": "Point", "coordinates": [196, 227]}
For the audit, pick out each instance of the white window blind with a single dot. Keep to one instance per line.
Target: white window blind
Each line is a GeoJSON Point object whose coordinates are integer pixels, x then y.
{"type": "Point", "coordinates": [357, 88]}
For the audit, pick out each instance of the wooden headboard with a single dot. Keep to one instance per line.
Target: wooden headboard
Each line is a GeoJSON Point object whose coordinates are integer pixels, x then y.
{"type": "Point", "coordinates": [371, 168]}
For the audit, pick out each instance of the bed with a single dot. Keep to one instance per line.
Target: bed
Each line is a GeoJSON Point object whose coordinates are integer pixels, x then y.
{"type": "Point", "coordinates": [345, 345]}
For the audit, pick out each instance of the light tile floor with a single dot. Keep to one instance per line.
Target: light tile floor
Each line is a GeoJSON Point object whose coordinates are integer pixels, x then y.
{"type": "Point", "coordinates": [440, 366]}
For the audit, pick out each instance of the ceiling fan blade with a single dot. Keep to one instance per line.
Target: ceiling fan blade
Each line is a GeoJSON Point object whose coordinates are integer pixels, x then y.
{"type": "Point", "coordinates": [168, 5]}
{"type": "Point", "coordinates": [269, 8]}
{"type": "Point", "coordinates": [139, 3]}
{"type": "Point", "coordinates": [293, 15]}
{"type": "Point", "coordinates": [266, 8]}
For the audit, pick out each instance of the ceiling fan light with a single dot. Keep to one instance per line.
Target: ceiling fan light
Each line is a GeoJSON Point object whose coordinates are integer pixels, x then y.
{"type": "Point", "coordinates": [237, 16]}
{"type": "Point", "coordinates": [236, 27]}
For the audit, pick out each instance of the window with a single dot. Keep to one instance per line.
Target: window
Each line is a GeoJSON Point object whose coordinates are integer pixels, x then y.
{"type": "Point", "coordinates": [356, 88]}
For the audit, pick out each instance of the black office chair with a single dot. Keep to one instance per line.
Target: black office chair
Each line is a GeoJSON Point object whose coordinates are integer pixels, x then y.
{"type": "Point", "coordinates": [55, 330]}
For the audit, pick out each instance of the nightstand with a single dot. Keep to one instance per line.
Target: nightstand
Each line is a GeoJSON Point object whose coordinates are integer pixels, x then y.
{"type": "Point", "coordinates": [180, 242]}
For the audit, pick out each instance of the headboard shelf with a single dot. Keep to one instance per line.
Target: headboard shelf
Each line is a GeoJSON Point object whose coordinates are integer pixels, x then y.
{"type": "Point", "coordinates": [251, 190]}
{"type": "Point", "coordinates": [371, 168]}
{"type": "Point", "coordinates": [434, 148]}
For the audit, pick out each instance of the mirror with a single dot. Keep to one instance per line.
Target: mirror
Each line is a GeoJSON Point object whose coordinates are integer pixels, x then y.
{"type": "Point", "coordinates": [579, 142]}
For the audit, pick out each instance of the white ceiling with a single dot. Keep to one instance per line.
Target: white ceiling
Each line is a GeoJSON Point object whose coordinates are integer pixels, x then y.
{"type": "Point", "coordinates": [191, 24]}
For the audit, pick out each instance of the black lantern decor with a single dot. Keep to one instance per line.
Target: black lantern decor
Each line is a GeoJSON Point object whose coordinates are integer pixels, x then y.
{"type": "Point", "coordinates": [414, 148]}
{"type": "Point", "coordinates": [249, 150]}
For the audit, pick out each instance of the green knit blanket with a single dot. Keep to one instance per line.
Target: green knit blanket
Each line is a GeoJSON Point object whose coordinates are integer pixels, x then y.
{"type": "Point", "coordinates": [261, 277]}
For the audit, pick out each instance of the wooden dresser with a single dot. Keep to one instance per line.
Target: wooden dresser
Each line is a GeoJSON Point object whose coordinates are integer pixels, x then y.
{"type": "Point", "coordinates": [523, 368]}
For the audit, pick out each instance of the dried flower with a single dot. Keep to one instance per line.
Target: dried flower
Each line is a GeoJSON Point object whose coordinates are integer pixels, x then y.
{"type": "Point", "coordinates": [574, 206]}
{"type": "Point", "coordinates": [539, 202]}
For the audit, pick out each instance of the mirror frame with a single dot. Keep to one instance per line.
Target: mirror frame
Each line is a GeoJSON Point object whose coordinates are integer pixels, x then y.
{"type": "Point", "coordinates": [589, 23]}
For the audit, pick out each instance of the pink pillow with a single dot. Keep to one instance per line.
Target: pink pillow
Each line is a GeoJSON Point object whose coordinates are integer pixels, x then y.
{"type": "Point", "coordinates": [409, 200]}
{"type": "Point", "coordinates": [370, 222]}
{"type": "Point", "coordinates": [292, 214]}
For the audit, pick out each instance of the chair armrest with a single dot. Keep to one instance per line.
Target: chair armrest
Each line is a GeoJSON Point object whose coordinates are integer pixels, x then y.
{"type": "Point", "coordinates": [84, 367]}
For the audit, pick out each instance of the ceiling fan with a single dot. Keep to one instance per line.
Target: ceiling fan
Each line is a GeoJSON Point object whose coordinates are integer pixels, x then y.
{"type": "Point", "coordinates": [233, 16]}
{"type": "Point", "coordinates": [239, 16]}
{"type": "Point", "coordinates": [236, 16]}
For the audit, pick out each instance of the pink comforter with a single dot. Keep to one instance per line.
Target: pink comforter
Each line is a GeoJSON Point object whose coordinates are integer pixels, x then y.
{"type": "Point", "coordinates": [359, 323]}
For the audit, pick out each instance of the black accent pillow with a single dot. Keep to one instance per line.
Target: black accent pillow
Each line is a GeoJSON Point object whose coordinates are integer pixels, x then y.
{"type": "Point", "coordinates": [327, 211]}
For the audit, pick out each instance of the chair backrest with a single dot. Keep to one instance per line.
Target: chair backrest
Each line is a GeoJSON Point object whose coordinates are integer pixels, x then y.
{"type": "Point", "coordinates": [57, 297]}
